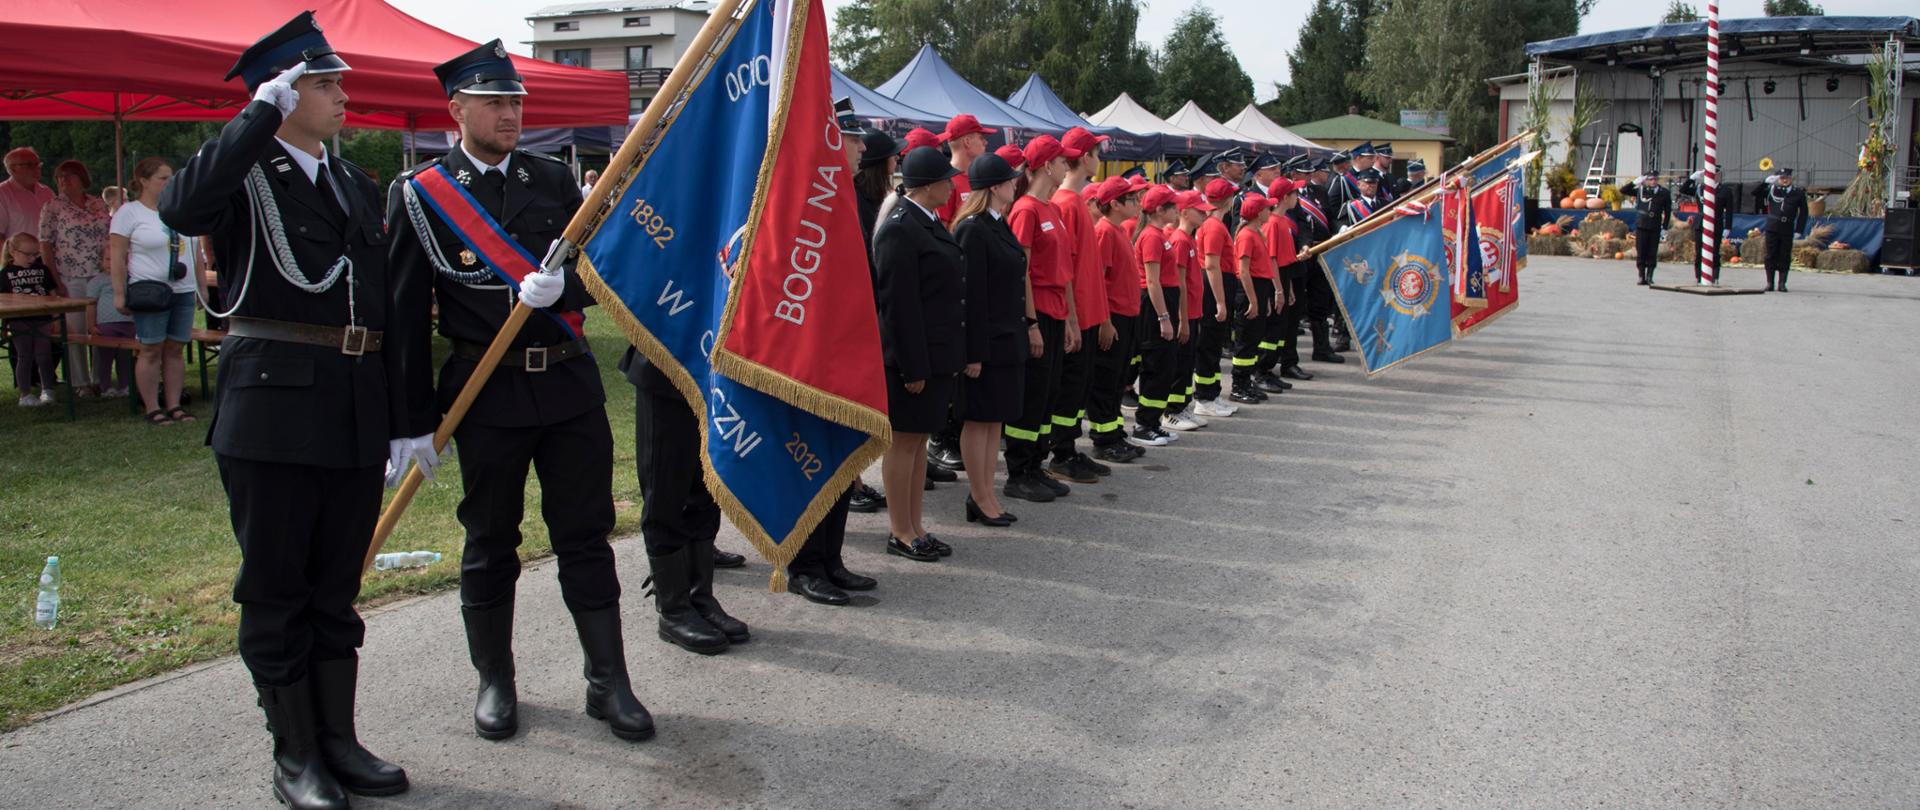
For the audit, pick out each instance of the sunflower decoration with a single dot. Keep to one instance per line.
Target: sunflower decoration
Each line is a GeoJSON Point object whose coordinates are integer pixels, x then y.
{"type": "Point", "coordinates": [1766, 164]}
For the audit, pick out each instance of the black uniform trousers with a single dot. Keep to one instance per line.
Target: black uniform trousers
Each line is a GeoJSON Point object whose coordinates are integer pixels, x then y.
{"type": "Point", "coordinates": [1646, 250]}
{"type": "Point", "coordinates": [1026, 444]}
{"type": "Point", "coordinates": [1183, 363]}
{"type": "Point", "coordinates": [1110, 367]}
{"type": "Point", "coordinates": [1250, 333]}
{"type": "Point", "coordinates": [303, 534]}
{"type": "Point", "coordinates": [1276, 340]}
{"type": "Point", "coordinates": [1317, 296]}
{"type": "Point", "coordinates": [1213, 338]}
{"type": "Point", "coordinates": [1290, 318]}
{"type": "Point", "coordinates": [821, 553]}
{"type": "Point", "coordinates": [677, 507]}
{"type": "Point", "coordinates": [1159, 362]}
{"type": "Point", "coordinates": [573, 460]}
{"type": "Point", "coordinates": [1779, 254]}
{"type": "Point", "coordinates": [1070, 401]}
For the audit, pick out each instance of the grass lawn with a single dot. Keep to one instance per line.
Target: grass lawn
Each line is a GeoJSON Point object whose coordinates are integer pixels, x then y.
{"type": "Point", "coordinates": [139, 520]}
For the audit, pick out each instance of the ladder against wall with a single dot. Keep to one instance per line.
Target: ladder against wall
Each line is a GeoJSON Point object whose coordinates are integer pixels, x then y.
{"type": "Point", "coordinates": [1597, 169]}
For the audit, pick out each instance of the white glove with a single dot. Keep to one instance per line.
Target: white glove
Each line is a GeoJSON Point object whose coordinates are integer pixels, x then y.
{"type": "Point", "coordinates": [279, 92]}
{"type": "Point", "coordinates": [539, 290]}
{"type": "Point", "coordinates": [398, 451]}
{"type": "Point", "coordinates": [420, 449]}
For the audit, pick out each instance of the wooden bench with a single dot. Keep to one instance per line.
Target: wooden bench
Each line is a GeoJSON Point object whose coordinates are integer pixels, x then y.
{"type": "Point", "coordinates": [201, 338]}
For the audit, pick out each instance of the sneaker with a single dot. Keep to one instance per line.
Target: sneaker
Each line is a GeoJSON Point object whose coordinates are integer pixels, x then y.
{"type": "Point", "coordinates": [1121, 453]}
{"type": "Point", "coordinates": [1162, 433]}
{"type": "Point", "coordinates": [114, 393]}
{"type": "Point", "coordinates": [1028, 487]}
{"type": "Point", "coordinates": [1192, 413]}
{"type": "Point", "coordinates": [1244, 396]}
{"type": "Point", "coordinates": [1265, 381]}
{"type": "Point", "coordinates": [1147, 437]}
{"type": "Point", "coordinates": [29, 401]}
{"type": "Point", "coordinates": [1178, 421]}
{"type": "Point", "coordinates": [46, 397]}
{"type": "Point", "coordinates": [1083, 464]}
{"type": "Point", "coordinates": [1129, 401]}
{"type": "Point", "coordinates": [1059, 490]}
{"type": "Point", "coordinates": [1212, 407]}
{"type": "Point", "coordinates": [1068, 471]}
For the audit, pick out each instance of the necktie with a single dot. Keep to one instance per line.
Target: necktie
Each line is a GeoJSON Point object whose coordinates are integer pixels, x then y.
{"type": "Point", "coordinates": [324, 181]}
{"type": "Point", "coordinates": [491, 191]}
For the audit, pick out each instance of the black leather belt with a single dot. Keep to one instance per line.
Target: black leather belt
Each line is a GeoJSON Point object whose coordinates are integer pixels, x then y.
{"type": "Point", "coordinates": [533, 359]}
{"type": "Point", "coordinates": [350, 340]}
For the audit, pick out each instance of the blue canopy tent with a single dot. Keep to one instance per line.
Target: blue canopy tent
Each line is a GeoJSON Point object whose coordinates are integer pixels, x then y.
{"type": "Point", "coordinates": [1036, 97]}
{"type": "Point", "coordinates": [929, 83]}
{"type": "Point", "coordinates": [885, 113]}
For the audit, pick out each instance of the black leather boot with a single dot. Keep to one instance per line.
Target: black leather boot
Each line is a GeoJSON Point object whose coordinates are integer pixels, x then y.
{"type": "Point", "coordinates": [496, 709]}
{"type": "Point", "coordinates": [671, 589]}
{"type": "Point", "coordinates": [700, 593]}
{"type": "Point", "coordinates": [300, 776]}
{"type": "Point", "coordinates": [609, 691]}
{"type": "Point", "coordinates": [356, 768]}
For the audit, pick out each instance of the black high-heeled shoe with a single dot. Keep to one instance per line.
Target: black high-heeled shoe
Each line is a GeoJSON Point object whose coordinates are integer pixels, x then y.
{"type": "Point", "coordinates": [974, 515]}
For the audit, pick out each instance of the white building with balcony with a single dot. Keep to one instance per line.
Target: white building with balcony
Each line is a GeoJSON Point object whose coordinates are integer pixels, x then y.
{"type": "Point", "coordinates": [642, 38]}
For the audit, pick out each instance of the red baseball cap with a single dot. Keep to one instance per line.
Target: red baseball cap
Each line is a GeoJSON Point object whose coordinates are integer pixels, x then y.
{"type": "Point", "coordinates": [1136, 183]}
{"type": "Point", "coordinates": [1192, 199]}
{"type": "Point", "coordinates": [1156, 197]}
{"type": "Point", "coordinates": [1282, 187]}
{"type": "Point", "coordinates": [1079, 141]}
{"type": "Point", "coordinates": [1040, 150]}
{"type": "Point", "coordinates": [1012, 155]}
{"type": "Point", "coordinates": [918, 137]}
{"type": "Point", "coordinates": [1110, 189]}
{"type": "Point", "coordinates": [1220, 189]}
{"type": "Point", "coordinates": [963, 125]}
{"type": "Point", "coordinates": [1253, 205]}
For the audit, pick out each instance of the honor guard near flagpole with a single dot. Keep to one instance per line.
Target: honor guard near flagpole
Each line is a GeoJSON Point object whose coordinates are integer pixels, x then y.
{"type": "Point", "coordinates": [1653, 206]}
{"type": "Point", "coordinates": [1723, 202]}
{"type": "Point", "coordinates": [305, 429]}
{"type": "Point", "coordinates": [1786, 216]}
{"type": "Point", "coordinates": [467, 231]}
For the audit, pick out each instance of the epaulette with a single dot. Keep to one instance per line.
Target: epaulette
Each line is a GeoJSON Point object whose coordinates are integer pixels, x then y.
{"type": "Point", "coordinates": [541, 155]}
{"type": "Point", "coordinates": [430, 163]}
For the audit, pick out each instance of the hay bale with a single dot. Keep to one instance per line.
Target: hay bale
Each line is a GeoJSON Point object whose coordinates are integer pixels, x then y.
{"type": "Point", "coordinates": [1806, 256]}
{"type": "Point", "coordinates": [1843, 261]}
{"type": "Point", "coordinates": [1606, 248]}
{"type": "Point", "coordinates": [1548, 245]}
{"type": "Point", "coordinates": [1600, 223]}
{"type": "Point", "coordinates": [1754, 250]}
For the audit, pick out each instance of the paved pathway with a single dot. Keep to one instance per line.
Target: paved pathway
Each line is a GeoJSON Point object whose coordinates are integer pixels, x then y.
{"type": "Point", "coordinates": [1626, 548]}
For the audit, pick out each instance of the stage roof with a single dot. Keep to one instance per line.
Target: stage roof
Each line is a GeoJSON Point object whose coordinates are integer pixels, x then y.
{"type": "Point", "coordinates": [1760, 38]}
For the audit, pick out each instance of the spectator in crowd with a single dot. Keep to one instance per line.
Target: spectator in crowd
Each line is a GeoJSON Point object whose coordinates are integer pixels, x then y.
{"type": "Point", "coordinates": [587, 180]}
{"type": "Point", "coordinates": [114, 197]}
{"type": "Point", "coordinates": [25, 274]}
{"type": "Point", "coordinates": [996, 327]}
{"type": "Point", "coordinates": [22, 195]}
{"type": "Point", "coordinates": [112, 368]}
{"type": "Point", "coordinates": [920, 269]}
{"type": "Point", "coordinates": [73, 243]}
{"type": "Point", "coordinates": [144, 249]}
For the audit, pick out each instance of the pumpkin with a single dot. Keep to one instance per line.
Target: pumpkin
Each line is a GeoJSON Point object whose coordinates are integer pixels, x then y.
{"type": "Point", "coordinates": [1566, 202]}
{"type": "Point", "coordinates": [1579, 194]}
{"type": "Point", "coordinates": [1620, 255]}
{"type": "Point", "coordinates": [1550, 229]}
{"type": "Point", "coordinates": [1596, 203]}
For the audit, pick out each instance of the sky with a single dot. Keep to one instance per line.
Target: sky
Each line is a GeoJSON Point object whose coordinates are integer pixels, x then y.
{"type": "Point", "coordinates": [1261, 32]}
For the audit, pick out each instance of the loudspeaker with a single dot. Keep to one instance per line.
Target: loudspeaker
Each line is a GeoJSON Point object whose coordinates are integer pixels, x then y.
{"type": "Point", "coordinates": [1901, 251]}
{"type": "Point", "coordinates": [1903, 223]}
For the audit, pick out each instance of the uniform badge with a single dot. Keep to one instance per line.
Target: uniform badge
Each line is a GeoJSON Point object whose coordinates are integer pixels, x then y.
{"type": "Point", "coordinates": [463, 177]}
{"type": "Point", "coordinates": [281, 165]}
{"type": "Point", "coordinates": [467, 259]}
{"type": "Point", "coordinates": [499, 51]}
{"type": "Point", "coordinates": [521, 172]}
{"type": "Point", "coordinates": [1411, 286]}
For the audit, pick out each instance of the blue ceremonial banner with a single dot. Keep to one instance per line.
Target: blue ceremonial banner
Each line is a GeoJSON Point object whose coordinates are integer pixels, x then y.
{"type": "Point", "coordinates": [1497, 167]}
{"type": "Point", "coordinates": [661, 262]}
{"type": "Point", "coordinates": [1391, 283]}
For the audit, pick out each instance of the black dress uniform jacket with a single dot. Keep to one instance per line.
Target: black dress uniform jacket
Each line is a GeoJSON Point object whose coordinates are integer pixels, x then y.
{"type": "Point", "coordinates": [1655, 207]}
{"type": "Point", "coordinates": [537, 200]}
{"type": "Point", "coordinates": [922, 289]}
{"type": "Point", "coordinates": [996, 291]}
{"type": "Point", "coordinates": [286, 402]}
{"type": "Point", "coordinates": [1786, 213]}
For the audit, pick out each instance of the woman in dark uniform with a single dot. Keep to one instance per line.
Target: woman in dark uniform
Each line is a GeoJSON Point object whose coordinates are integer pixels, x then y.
{"type": "Point", "coordinates": [918, 268]}
{"type": "Point", "coordinates": [996, 324]}
{"type": "Point", "coordinates": [872, 182]}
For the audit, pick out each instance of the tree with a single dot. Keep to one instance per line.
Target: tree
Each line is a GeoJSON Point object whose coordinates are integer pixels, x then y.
{"type": "Point", "coordinates": [1792, 8]}
{"type": "Point", "coordinates": [1324, 63]}
{"type": "Point", "coordinates": [1438, 54]}
{"type": "Point", "coordinates": [91, 142]}
{"type": "Point", "coordinates": [1679, 11]}
{"type": "Point", "coordinates": [1197, 64]}
{"type": "Point", "coordinates": [1085, 48]}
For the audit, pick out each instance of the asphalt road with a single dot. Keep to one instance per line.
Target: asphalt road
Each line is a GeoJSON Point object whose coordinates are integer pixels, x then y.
{"type": "Point", "coordinates": [1625, 548]}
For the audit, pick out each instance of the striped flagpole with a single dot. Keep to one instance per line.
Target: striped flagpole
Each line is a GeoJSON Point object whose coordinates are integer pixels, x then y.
{"type": "Point", "coordinates": [1710, 181]}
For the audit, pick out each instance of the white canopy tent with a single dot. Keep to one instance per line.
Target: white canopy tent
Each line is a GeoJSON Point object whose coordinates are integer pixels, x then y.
{"type": "Point", "coordinates": [1254, 124]}
{"type": "Point", "coordinates": [1127, 114]}
{"type": "Point", "coordinates": [1190, 117]}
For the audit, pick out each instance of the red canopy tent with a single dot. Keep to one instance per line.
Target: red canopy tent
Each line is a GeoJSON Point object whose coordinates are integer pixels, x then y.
{"type": "Point", "coordinates": [161, 60]}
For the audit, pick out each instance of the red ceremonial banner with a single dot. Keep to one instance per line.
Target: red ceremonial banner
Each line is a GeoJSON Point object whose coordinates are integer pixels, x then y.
{"type": "Point", "coordinates": [802, 324]}
{"type": "Point", "coordinates": [1493, 213]}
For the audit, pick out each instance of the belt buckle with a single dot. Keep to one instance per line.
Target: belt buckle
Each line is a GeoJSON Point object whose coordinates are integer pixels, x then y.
{"type": "Point", "coordinates": [536, 359]}
{"type": "Point", "coordinates": [353, 341]}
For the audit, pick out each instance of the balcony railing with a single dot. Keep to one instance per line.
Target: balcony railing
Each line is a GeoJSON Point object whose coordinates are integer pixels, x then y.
{"type": "Point", "coordinates": [647, 78]}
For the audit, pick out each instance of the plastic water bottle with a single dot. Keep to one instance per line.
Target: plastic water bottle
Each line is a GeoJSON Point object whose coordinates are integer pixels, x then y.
{"type": "Point", "coordinates": [46, 609]}
{"type": "Point", "coordinates": [404, 559]}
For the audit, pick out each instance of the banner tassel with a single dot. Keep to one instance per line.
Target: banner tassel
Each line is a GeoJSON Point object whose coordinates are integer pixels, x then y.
{"type": "Point", "coordinates": [778, 584]}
